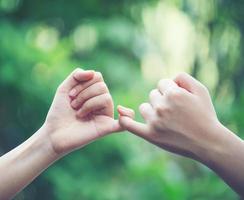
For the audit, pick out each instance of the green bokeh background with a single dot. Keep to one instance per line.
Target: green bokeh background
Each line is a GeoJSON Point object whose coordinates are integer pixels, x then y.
{"type": "Point", "coordinates": [133, 43]}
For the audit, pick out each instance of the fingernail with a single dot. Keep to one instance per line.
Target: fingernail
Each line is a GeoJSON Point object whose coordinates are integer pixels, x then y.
{"type": "Point", "coordinates": [72, 92]}
{"type": "Point", "coordinates": [123, 108]}
{"type": "Point", "coordinates": [120, 107]}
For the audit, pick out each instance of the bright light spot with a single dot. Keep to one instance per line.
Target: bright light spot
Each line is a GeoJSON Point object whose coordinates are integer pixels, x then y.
{"type": "Point", "coordinates": [9, 5]}
{"type": "Point", "coordinates": [152, 67]}
{"type": "Point", "coordinates": [205, 11]}
{"type": "Point", "coordinates": [208, 74]}
{"type": "Point", "coordinates": [229, 39]}
{"type": "Point", "coordinates": [85, 38]}
{"type": "Point", "coordinates": [40, 71]}
{"type": "Point", "coordinates": [173, 36]}
{"type": "Point", "coordinates": [202, 44]}
{"type": "Point", "coordinates": [47, 38]}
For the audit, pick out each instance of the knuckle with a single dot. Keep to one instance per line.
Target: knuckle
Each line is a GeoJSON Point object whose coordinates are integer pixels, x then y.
{"type": "Point", "coordinates": [155, 125]}
{"type": "Point", "coordinates": [61, 88]}
{"type": "Point", "coordinates": [99, 76]}
{"type": "Point", "coordinates": [107, 98]}
{"type": "Point", "coordinates": [78, 89]}
{"type": "Point", "coordinates": [142, 107]}
{"type": "Point", "coordinates": [158, 108]}
{"type": "Point", "coordinates": [182, 75]}
{"type": "Point", "coordinates": [73, 73]}
{"type": "Point", "coordinates": [102, 86]}
{"type": "Point", "coordinates": [174, 94]}
{"type": "Point", "coordinates": [162, 82]}
{"type": "Point", "coordinates": [78, 114]}
{"type": "Point", "coordinates": [80, 99]}
{"type": "Point", "coordinates": [204, 88]}
{"type": "Point", "coordinates": [162, 110]}
{"type": "Point", "coordinates": [152, 93]}
{"type": "Point", "coordinates": [85, 107]}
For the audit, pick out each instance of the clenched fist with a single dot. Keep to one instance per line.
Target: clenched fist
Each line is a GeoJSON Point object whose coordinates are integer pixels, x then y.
{"type": "Point", "coordinates": [179, 117]}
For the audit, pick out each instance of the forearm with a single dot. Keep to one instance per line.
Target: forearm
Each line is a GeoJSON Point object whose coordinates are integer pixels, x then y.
{"type": "Point", "coordinates": [21, 165]}
{"type": "Point", "coordinates": [226, 158]}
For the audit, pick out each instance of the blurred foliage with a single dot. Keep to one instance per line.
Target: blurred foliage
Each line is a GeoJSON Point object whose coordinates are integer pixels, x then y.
{"type": "Point", "coordinates": [133, 43]}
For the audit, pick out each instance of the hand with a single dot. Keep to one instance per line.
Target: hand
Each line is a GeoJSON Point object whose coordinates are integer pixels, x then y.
{"type": "Point", "coordinates": [179, 117]}
{"type": "Point", "coordinates": [64, 130]}
{"type": "Point", "coordinates": [81, 112]}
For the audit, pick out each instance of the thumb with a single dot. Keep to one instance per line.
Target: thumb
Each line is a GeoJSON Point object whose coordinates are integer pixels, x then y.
{"type": "Point", "coordinates": [188, 83]}
{"type": "Point", "coordinates": [127, 122]}
{"type": "Point", "coordinates": [114, 127]}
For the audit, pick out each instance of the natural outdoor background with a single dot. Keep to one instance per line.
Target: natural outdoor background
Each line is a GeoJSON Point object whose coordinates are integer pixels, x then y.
{"type": "Point", "coordinates": [133, 43]}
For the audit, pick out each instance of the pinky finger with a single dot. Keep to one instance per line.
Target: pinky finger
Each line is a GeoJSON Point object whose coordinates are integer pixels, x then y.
{"type": "Point", "coordinates": [123, 111]}
{"type": "Point", "coordinates": [135, 127]}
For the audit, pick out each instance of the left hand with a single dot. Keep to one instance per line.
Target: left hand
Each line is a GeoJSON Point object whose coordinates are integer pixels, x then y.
{"type": "Point", "coordinates": [81, 112]}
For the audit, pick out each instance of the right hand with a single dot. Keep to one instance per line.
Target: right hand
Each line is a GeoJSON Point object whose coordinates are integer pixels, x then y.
{"type": "Point", "coordinates": [179, 116]}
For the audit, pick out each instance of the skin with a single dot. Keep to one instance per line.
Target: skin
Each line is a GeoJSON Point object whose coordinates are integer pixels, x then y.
{"type": "Point", "coordinates": [82, 111]}
{"type": "Point", "coordinates": [180, 118]}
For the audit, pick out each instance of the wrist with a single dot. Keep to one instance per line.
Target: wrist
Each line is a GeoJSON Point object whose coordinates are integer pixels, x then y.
{"type": "Point", "coordinates": [55, 142]}
{"type": "Point", "coordinates": [224, 146]}
{"type": "Point", "coordinates": [22, 164]}
{"type": "Point", "coordinates": [43, 140]}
